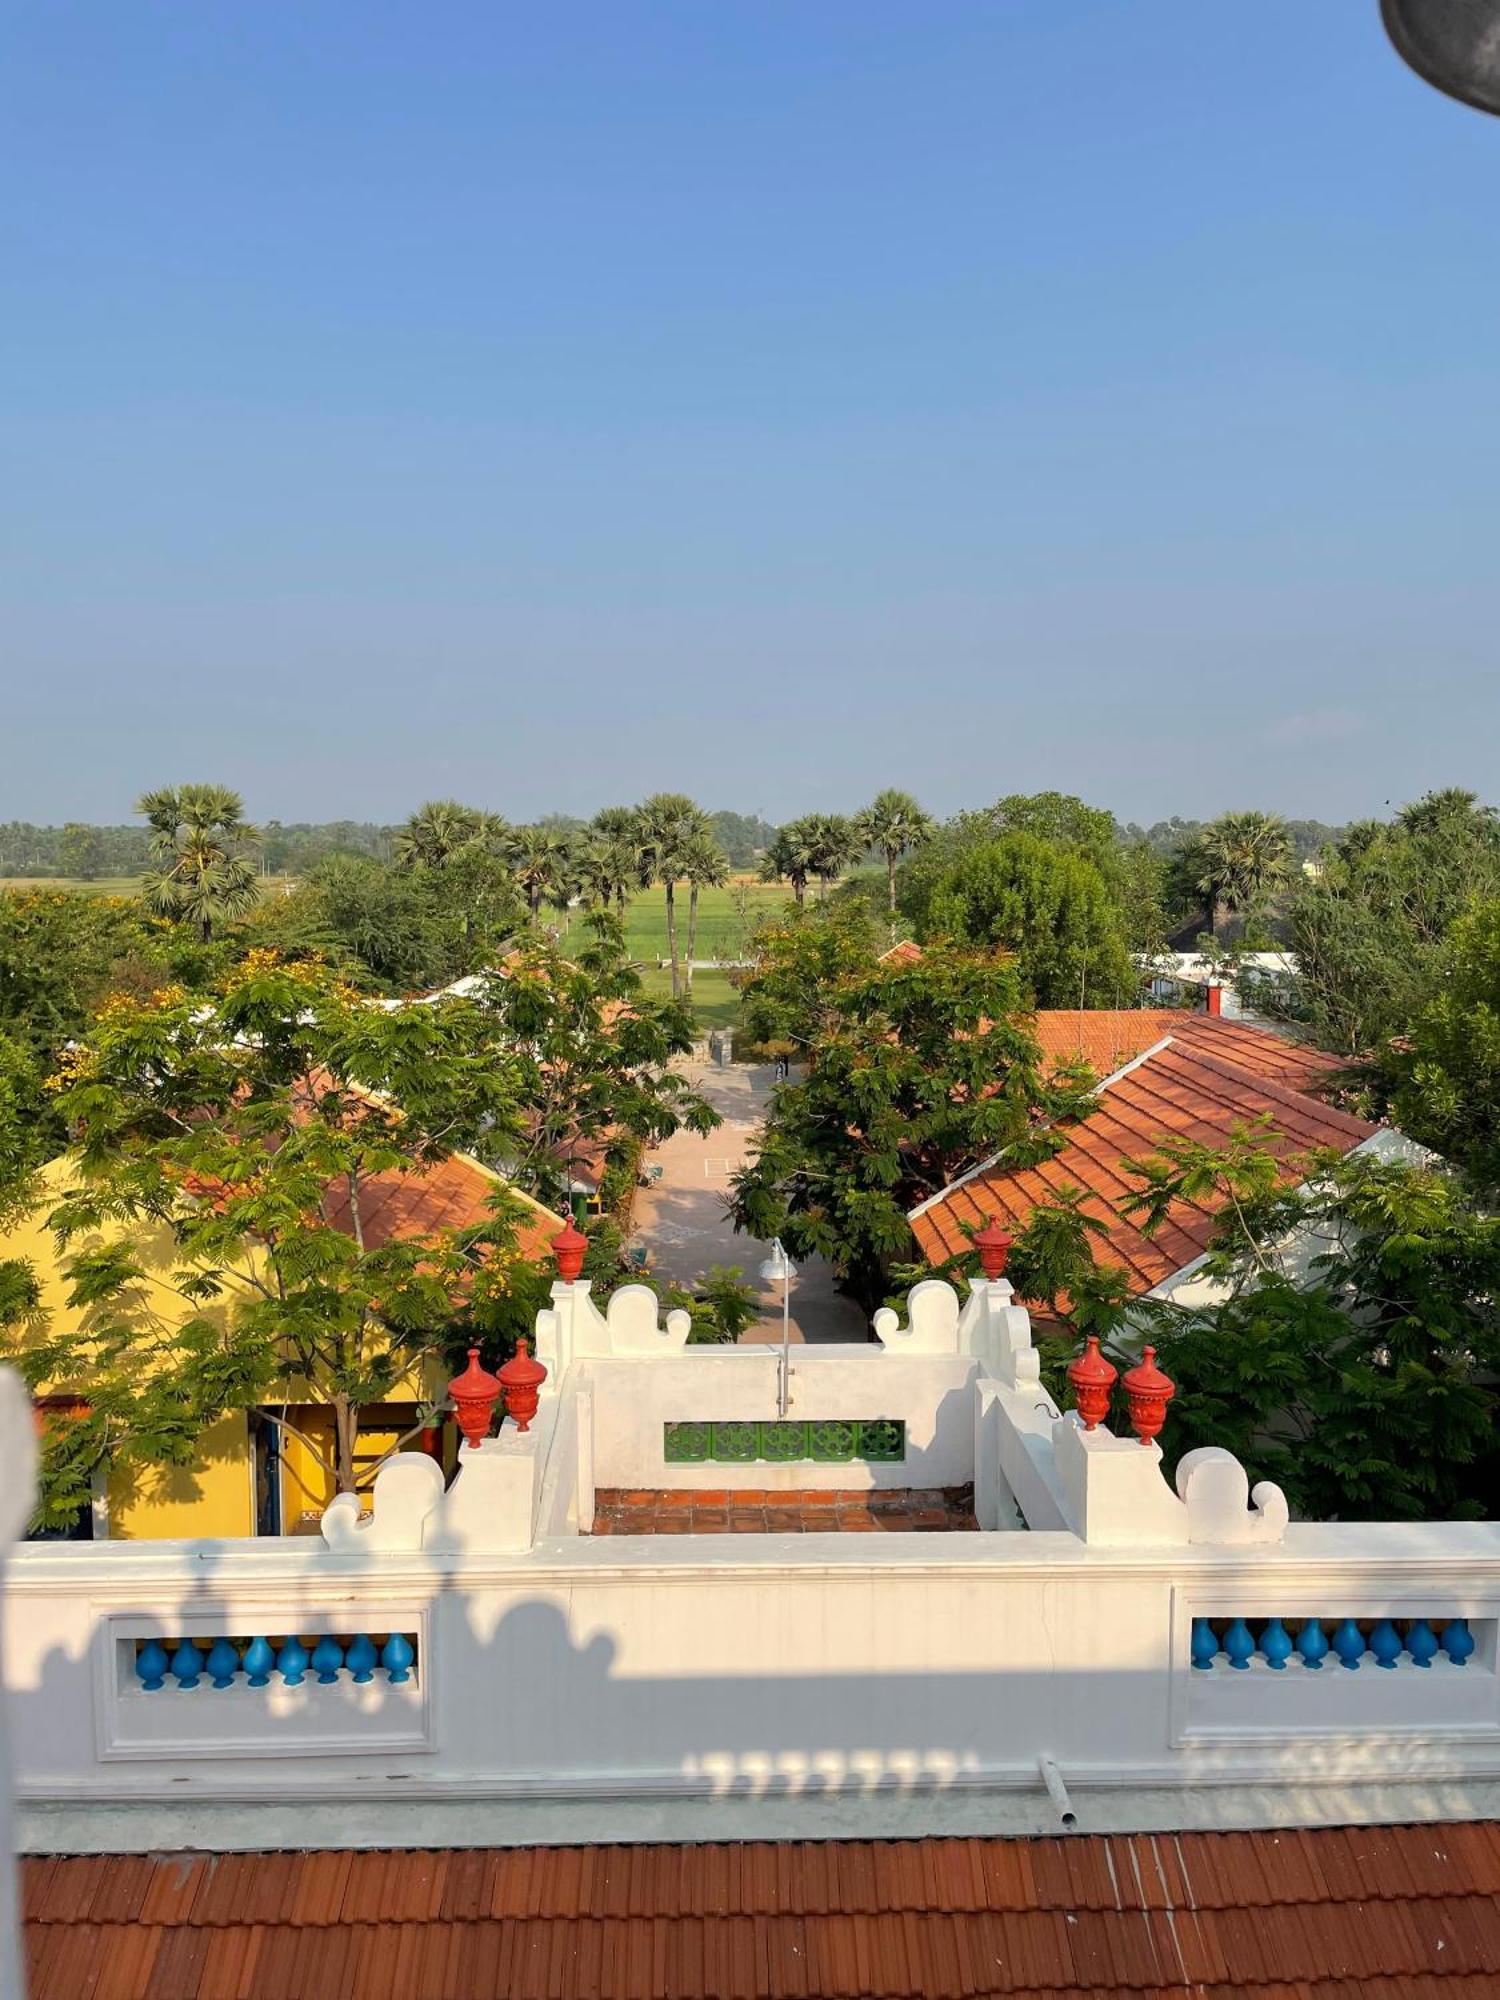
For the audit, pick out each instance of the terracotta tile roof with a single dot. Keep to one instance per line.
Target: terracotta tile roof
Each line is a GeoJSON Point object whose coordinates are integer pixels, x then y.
{"type": "Point", "coordinates": [1109, 1037]}
{"type": "Point", "coordinates": [1377, 1913]}
{"type": "Point", "coordinates": [905, 953]}
{"type": "Point", "coordinates": [743, 1511]}
{"type": "Point", "coordinates": [1182, 1090]}
{"type": "Point", "coordinates": [456, 1193]}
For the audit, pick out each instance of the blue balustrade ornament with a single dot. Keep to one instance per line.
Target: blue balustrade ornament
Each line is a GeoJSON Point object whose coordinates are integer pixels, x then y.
{"type": "Point", "coordinates": [1421, 1643]}
{"type": "Point", "coordinates": [1275, 1644]}
{"type": "Point", "coordinates": [362, 1658]}
{"type": "Point", "coordinates": [1239, 1644]}
{"type": "Point", "coordinates": [223, 1663]}
{"type": "Point", "coordinates": [1349, 1644]}
{"type": "Point", "coordinates": [291, 1662]}
{"type": "Point", "coordinates": [259, 1660]}
{"type": "Point", "coordinates": [327, 1658]}
{"type": "Point", "coordinates": [1385, 1643]}
{"type": "Point", "coordinates": [1312, 1643]}
{"type": "Point", "coordinates": [187, 1664]}
{"type": "Point", "coordinates": [151, 1665]}
{"type": "Point", "coordinates": [1205, 1647]}
{"type": "Point", "coordinates": [1458, 1641]}
{"type": "Point", "coordinates": [396, 1657]}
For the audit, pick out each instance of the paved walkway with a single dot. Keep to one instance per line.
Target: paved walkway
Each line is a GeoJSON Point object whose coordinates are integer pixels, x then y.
{"type": "Point", "coordinates": [683, 1222]}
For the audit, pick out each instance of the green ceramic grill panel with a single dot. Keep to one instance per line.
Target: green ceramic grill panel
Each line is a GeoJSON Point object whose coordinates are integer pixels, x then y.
{"type": "Point", "coordinates": [825, 1440]}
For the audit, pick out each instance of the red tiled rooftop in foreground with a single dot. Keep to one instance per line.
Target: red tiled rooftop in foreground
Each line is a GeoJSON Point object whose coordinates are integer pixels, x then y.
{"type": "Point", "coordinates": [1380, 1913]}
{"type": "Point", "coordinates": [1107, 1038]}
{"type": "Point", "coordinates": [746, 1511]}
{"type": "Point", "coordinates": [1184, 1090]}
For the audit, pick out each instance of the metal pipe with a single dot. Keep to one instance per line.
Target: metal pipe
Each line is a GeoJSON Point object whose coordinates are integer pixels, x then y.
{"type": "Point", "coordinates": [783, 1384]}
{"type": "Point", "coordinates": [1057, 1791]}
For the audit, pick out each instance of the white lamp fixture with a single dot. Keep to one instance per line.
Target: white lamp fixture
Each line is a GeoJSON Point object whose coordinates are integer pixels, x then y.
{"type": "Point", "coordinates": [778, 1269]}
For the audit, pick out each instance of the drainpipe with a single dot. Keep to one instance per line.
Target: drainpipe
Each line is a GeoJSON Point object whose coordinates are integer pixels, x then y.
{"type": "Point", "coordinates": [1057, 1791]}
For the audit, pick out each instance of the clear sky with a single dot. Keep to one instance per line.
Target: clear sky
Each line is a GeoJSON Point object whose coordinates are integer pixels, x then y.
{"type": "Point", "coordinates": [545, 403]}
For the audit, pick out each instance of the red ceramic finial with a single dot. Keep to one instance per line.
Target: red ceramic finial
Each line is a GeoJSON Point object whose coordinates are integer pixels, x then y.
{"type": "Point", "coordinates": [522, 1378]}
{"type": "Point", "coordinates": [993, 1245]}
{"type": "Point", "coordinates": [475, 1394]}
{"type": "Point", "coordinates": [1149, 1391]}
{"type": "Point", "coordinates": [1093, 1378]}
{"type": "Point", "coordinates": [569, 1247]}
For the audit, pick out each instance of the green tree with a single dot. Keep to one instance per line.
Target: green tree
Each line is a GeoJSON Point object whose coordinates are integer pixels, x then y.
{"type": "Point", "coordinates": [789, 858]}
{"type": "Point", "coordinates": [203, 870]}
{"type": "Point", "coordinates": [614, 846]}
{"type": "Point", "coordinates": [543, 865]}
{"type": "Point", "coordinates": [441, 829]}
{"type": "Point", "coordinates": [1369, 932]}
{"type": "Point", "coordinates": [894, 824]}
{"type": "Point", "coordinates": [835, 843]}
{"type": "Point", "coordinates": [1049, 906]}
{"type": "Point", "coordinates": [1061, 818]}
{"type": "Point", "coordinates": [703, 867]}
{"type": "Point", "coordinates": [251, 1127]}
{"type": "Point", "coordinates": [668, 825]}
{"type": "Point", "coordinates": [1444, 1072]}
{"type": "Point", "coordinates": [82, 851]}
{"type": "Point", "coordinates": [920, 1072]}
{"type": "Point", "coordinates": [1239, 860]}
{"type": "Point", "coordinates": [591, 1055]}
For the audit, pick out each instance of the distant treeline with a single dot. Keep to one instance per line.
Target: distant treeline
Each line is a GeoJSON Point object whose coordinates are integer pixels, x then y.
{"type": "Point", "coordinates": [286, 847]}
{"type": "Point", "coordinates": [1308, 837]}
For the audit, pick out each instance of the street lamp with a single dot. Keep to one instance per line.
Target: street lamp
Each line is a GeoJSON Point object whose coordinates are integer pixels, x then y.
{"type": "Point", "coordinates": [779, 1269]}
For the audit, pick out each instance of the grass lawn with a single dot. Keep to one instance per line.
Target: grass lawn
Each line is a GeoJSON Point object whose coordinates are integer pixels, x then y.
{"type": "Point", "coordinates": [102, 885]}
{"type": "Point", "coordinates": [716, 1004]}
{"type": "Point", "coordinates": [725, 919]}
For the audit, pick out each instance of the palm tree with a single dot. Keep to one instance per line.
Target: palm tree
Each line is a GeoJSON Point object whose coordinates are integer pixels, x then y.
{"type": "Point", "coordinates": [544, 866]}
{"type": "Point", "coordinates": [614, 836]}
{"type": "Point", "coordinates": [667, 824]}
{"type": "Point", "coordinates": [1241, 858]}
{"type": "Point", "coordinates": [204, 874]}
{"type": "Point", "coordinates": [835, 841]}
{"type": "Point", "coordinates": [789, 858]}
{"type": "Point", "coordinates": [706, 866]}
{"type": "Point", "coordinates": [442, 828]}
{"type": "Point", "coordinates": [895, 823]}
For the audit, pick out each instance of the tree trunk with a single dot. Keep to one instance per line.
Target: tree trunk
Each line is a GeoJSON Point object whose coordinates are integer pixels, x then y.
{"type": "Point", "coordinates": [345, 1435]}
{"type": "Point", "coordinates": [692, 941]}
{"type": "Point", "coordinates": [799, 889]}
{"type": "Point", "coordinates": [890, 878]}
{"type": "Point", "coordinates": [672, 935]}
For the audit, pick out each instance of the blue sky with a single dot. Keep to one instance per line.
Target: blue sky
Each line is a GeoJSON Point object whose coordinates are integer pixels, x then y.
{"type": "Point", "coordinates": [546, 404]}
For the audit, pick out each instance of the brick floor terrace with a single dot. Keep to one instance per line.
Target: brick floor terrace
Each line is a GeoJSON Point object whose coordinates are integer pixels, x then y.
{"type": "Point", "coordinates": [751, 1511]}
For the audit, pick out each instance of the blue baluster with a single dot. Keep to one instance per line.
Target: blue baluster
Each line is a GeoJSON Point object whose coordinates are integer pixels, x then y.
{"type": "Point", "coordinates": [1239, 1644]}
{"type": "Point", "coordinates": [396, 1656]}
{"type": "Point", "coordinates": [327, 1658]}
{"type": "Point", "coordinates": [291, 1662]}
{"type": "Point", "coordinates": [1385, 1643]}
{"type": "Point", "coordinates": [362, 1657]}
{"type": "Point", "coordinates": [151, 1665]}
{"type": "Point", "coordinates": [1205, 1647]}
{"type": "Point", "coordinates": [1421, 1642]}
{"type": "Point", "coordinates": [1312, 1643]}
{"type": "Point", "coordinates": [259, 1660]}
{"type": "Point", "coordinates": [223, 1663]}
{"type": "Point", "coordinates": [1349, 1644]}
{"type": "Point", "coordinates": [1275, 1644]}
{"type": "Point", "coordinates": [187, 1664]}
{"type": "Point", "coordinates": [1458, 1641]}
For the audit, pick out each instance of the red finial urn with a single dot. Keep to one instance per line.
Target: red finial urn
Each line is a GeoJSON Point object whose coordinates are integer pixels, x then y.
{"type": "Point", "coordinates": [522, 1378]}
{"type": "Point", "coordinates": [475, 1394]}
{"type": "Point", "coordinates": [1093, 1379]}
{"type": "Point", "coordinates": [993, 1244]}
{"type": "Point", "coordinates": [569, 1247]}
{"type": "Point", "coordinates": [1149, 1391]}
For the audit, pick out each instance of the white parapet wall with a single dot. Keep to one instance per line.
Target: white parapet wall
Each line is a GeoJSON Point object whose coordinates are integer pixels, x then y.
{"type": "Point", "coordinates": [746, 1669]}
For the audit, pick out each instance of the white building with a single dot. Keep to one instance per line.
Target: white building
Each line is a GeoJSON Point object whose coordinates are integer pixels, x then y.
{"type": "Point", "coordinates": [645, 1620]}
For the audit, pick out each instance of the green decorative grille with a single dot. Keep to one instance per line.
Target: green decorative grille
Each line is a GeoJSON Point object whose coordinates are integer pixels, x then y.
{"type": "Point", "coordinates": [825, 1440]}
{"type": "Point", "coordinates": [687, 1444]}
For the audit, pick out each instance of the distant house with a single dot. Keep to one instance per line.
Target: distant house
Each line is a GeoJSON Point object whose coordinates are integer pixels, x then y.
{"type": "Point", "coordinates": [1177, 1075]}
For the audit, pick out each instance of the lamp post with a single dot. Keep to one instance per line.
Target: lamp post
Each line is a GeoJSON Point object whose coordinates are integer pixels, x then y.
{"type": "Point", "coordinates": [779, 1269]}
{"type": "Point", "coordinates": [1453, 44]}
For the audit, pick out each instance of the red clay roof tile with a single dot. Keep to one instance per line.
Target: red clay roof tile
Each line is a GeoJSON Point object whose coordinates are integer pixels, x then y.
{"type": "Point", "coordinates": [1366, 1913]}
{"type": "Point", "coordinates": [1184, 1089]}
